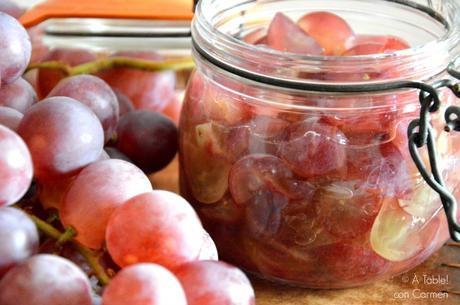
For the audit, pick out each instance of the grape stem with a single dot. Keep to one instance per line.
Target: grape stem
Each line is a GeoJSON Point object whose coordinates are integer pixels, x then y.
{"type": "Point", "coordinates": [91, 257]}
{"type": "Point", "coordinates": [115, 62]}
{"type": "Point", "coordinates": [66, 236]}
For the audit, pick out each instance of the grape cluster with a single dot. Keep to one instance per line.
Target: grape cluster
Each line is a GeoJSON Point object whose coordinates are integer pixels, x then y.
{"type": "Point", "coordinates": [77, 225]}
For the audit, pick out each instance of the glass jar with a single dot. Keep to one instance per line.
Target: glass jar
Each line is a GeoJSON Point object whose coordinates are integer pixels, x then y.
{"type": "Point", "coordinates": [312, 187]}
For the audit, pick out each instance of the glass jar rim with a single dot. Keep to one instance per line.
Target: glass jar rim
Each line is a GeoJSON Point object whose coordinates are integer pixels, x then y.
{"type": "Point", "coordinates": [432, 57]}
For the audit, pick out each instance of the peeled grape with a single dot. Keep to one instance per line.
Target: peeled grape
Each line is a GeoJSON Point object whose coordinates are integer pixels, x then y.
{"type": "Point", "coordinates": [18, 237]}
{"type": "Point", "coordinates": [16, 167]}
{"type": "Point", "coordinates": [214, 283]}
{"type": "Point", "coordinates": [158, 227]}
{"type": "Point", "coordinates": [147, 90]}
{"type": "Point", "coordinates": [19, 95]}
{"type": "Point", "coordinates": [45, 279]}
{"type": "Point", "coordinates": [11, 8]}
{"type": "Point", "coordinates": [10, 117]}
{"type": "Point", "coordinates": [94, 93]}
{"type": "Point", "coordinates": [149, 139]}
{"type": "Point", "coordinates": [47, 79]}
{"type": "Point", "coordinates": [63, 136]}
{"type": "Point", "coordinates": [95, 193]}
{"type": "Point", "coordinates": [124, 103]}
{"type": "Point", "coordinates": [15, 49]}
{"type": "Point", "coordinates": [144, 284]}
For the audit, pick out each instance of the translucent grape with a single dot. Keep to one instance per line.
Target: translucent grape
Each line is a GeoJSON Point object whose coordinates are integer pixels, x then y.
{"type": "Point", "coordinates": [94, 93]}
{"type": "Point", "coordinates": [95, 193]}
{"type": "Point", "coordinates": [45, 279]}
{"type": "Point", "coordinates": [214, 283]}
{"type": "Point", "coordinates": [144, 284]}
{"type": "Point", "coordinates": [18, 238]}
{"type": "Point", "coordinates": [15, 51]}
{"type": "Point", "coordinates": [158, 227]}
{"type": "Point", "coordinates": [149, 139]}
{"type": "Point", "coordinates": [16, 167]}
{"type": "Point", "coordinates": [63, 136]}
{"type": "Point", "coordinates": [19, 95]}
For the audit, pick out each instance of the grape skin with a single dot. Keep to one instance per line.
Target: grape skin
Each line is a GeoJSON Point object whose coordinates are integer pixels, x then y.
{"type": "Point", "coordinates": [45, 279]}
{"type": "Point", "coordinates": [63, 136]}
{"type": "Point", "coordinates": [95, 193]}
{"type": "Point", "coordinates": [18, 238]}
{"type": "Point", "coordinates": [144, 284]}
{"type": "Point", "coordinates": [16, 167]}
{"type": "Point", "coordinates": [10, 117]}
{"type": "Point", "coordinates": [19, 95]}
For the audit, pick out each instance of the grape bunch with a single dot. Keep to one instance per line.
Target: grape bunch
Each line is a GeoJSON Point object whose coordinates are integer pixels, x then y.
{"type": "Point", "coordinates": [80, 222]}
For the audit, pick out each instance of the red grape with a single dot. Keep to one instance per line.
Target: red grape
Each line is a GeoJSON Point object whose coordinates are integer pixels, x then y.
{"type": "Point", "coordinates": [11, 8]}
{"type": "Point", "coordinates": [94, 93]}
{"type": "Point", "coordinates": [47, 79]}
{"type": "Point", "coordinates": [16, 167]}
{"type": "Point", "coordinates": [158, 227]}
{"type": "Point", "coordinates": [10, 117]}
{"type": "Point", "coordinates": [45, 279]}
{"type": "Point", "coordinates": [147, 90]}
{"type": "Point", "coordinates": [95, 193]}
{"type": "Point", "coordinates": [63, 136]}
{"type": "Point", "coordinates": [315, 149]}
{"type": "Point", "coordinates": [147, 138]}
{"type": "Point", "coordinates": [18, 237]}
{"type": "Point", "coordinates": [214, 283]}
{"type": "Point", "coordinates": [144, 284]}
{"type": "Point", "coordinates": [124, 103]}
{"type": "Point", "coordinates": [51, 193]}
{"type": "Point", "coordinates": [328, 29]}
{"type": "Point", "coordinates": [285, 35]}
{"type": "Point", "coordinates": [15, 51]}
{"type": "Point", "coordinates": [19, 95]}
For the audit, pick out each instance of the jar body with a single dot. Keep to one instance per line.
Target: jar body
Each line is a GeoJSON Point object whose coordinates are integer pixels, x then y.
{"type": "Point", "coordinates": [310, 188]}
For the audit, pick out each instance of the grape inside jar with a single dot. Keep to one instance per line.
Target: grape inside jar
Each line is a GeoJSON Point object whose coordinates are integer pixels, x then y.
{"type": "Point", "coordinates": [315, 188]}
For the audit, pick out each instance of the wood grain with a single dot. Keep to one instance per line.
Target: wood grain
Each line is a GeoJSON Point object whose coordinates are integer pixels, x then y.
{"type": "Point", "coordinates": [408, 289]}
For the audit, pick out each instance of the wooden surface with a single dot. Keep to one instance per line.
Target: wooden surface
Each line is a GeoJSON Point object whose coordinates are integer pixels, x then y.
{"type": "Point", "coordinates": [412, 288]}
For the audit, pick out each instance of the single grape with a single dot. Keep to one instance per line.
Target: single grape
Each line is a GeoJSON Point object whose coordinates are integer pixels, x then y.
{"type": "Point", "coordinates": [11, 8]}
{"type": "Point", "coordinates": [214, 283]}
{"type": "Point", "coordinates": [147, 90]}
{"type": "Point", "coordinates": [95, 193]}
{"type": "Point", "coordinates": [47, 79]}
{"type": "Point", "coordinates": [124, 103]}
{"type": "Point", "coordinates": [15, 51]}
{"type": "Point", "coordinates": [144, 284]}
{"type": "Point", "coordinates": [94, 93]}
{"type": "Point", "coordinates": [19, 95]}
{"type": "Point", "coordinates": [10, 117]}
{"type": "Point", "coordinates": [45, 279]}
{"type": "Point", "coordinates": [18, 237]}
{"type": "Point", "coordinates": [296, 42]}
{"type": "Point", "coordinates": [116, 154]}
{"type": "Point", "coordinates": [63, 136]}
{"type": "Point", "coordinates": [16, 167]}
{"type": "Point", "coordinates": [148, 138]}
{"type": "Point", "coordinates": [158, 227]}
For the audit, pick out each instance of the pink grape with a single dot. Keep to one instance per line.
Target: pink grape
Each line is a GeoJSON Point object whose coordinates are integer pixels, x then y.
{"type": "Point", "coordinates": [147, 90]}
{"type": "Point", "coordinates": [95, 193]}
{"type": "Point", "coordinates": [11, 8]}
{"type": "Point", "coordinates": [18, 237]}
{"type": "Point", "coordinates": [149, 139]}
{"type": "Point", "coordinates": [124, 103]}
{"type": "Point", "coordinates": [15, 50]}
{"type": "Point", "coordinates": [144, 284]}
{"type": "Point", "coordinates": [47, 79]}
{"type": "Point", "coordinates": [63, 136]}
{"type": "Point", "coordinates": [94, 93]}
{"type": "Point", "coordinates": [158, 227]}
{"type": "Point", "coordinates": [19, 95]}
{"type": "Point", "coordinates": [45, 279]}
{"type": "Point", "coordinates": [16, 167]}
{"type": "Point", "coordinates": [214, 283]}
{"type": "Point", "coordinates": [10, 117]}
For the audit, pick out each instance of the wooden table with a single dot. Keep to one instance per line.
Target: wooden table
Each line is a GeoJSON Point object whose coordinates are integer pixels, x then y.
{"type": "Point", "coordinates": [407, 289]}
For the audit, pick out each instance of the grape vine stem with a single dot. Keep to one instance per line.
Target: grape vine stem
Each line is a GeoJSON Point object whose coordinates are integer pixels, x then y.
{"type": "Point", "coordinates": [115, 62]}
{"type": "Point", "coordinates": [91, 257]}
